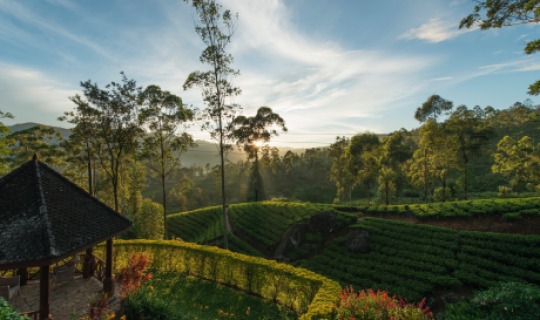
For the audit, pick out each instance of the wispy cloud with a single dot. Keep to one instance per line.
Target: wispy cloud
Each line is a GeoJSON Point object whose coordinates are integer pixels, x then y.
{"type": "Point", "coordinates": [32, 90]}
{"type": "Point", "coordinates": [434, 30]}
{"type": "Point", "coordinates": [30, 17]}
{"type": "Point", "coordinates": [312, 83]}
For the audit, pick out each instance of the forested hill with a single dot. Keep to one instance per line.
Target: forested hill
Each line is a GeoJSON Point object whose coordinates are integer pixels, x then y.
{"type": "Point", "coordinates": [203, 153]}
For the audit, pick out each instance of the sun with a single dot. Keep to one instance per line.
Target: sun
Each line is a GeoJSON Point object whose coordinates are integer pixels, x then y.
{"type": "Point", "coordinates": [258, 143]}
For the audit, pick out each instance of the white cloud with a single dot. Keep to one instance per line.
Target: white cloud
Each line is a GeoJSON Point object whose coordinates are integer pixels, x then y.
{"type": "Point", "coordinates": [434, 31]}
{"type": "Point", "coordinates": [28, 93]}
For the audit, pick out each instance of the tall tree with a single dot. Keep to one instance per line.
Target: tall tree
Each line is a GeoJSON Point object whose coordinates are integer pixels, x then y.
{"type": "Point", "coordinates": [164, 114]}
{"type": "Point", "coordinates": [362, 152]}
{"type": "Point", "coordinates": [215, 28]}
{"type": "Point", "coordinates": [467, 134]}
{"type": "Point", "coordinates": [253, 133]}
{"type": "Point", "coordinates": [340, 173]}
{"type": "Point", "coordinates": [116, 125]}
{"type": "Point", "coordinates": [392, 155]}
{"type": "Point", "coordinates": [515, 160]}
{"type": "Point", "coordinates": [502, 13]}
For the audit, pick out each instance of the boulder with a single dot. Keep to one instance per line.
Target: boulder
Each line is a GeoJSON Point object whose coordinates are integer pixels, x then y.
{"type": "Point", "coordinates": [324, 222]}
{"type": "Point", "coordinates": [358, 241]}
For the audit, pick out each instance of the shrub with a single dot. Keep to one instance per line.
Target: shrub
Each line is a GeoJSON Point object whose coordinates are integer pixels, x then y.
{"type": "Point", "coordinates": [148, 221]}
{"type": "Point", "coordinates": [510, 300]}
{"type": "Point", "coordinates": [133, 275]}
{"type": "Point", "coordinates": [377, 305]}
{"type": "Point", "coordinates": [8, 313]}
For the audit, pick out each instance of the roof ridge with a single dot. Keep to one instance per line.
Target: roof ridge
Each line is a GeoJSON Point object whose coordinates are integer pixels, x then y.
{"type": "Point", "coordinates": [49, 236]}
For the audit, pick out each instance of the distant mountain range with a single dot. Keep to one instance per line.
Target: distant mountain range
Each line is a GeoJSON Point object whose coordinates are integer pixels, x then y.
{"type": "Point", "coordinates": [204, 153]}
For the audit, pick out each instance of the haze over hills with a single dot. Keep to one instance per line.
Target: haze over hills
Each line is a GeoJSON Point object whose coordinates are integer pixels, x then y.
{"type": "Point", "coordinates": [205, 152]}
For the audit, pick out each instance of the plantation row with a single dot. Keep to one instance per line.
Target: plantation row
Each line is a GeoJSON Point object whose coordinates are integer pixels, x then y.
{"type": "Point", "coordinates": [309, 294]}
{"type": "Point", "coordinates": [196, 226]}
{"type": "Point", "coordinates": [511, 209]}
{"type": "Point", "coordinates": [266, 222]}
{"type": "Point", "coordinates": [413, 260]}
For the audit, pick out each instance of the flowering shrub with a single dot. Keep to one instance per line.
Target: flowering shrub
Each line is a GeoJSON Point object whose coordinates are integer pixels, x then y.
{"type": "Point", "coordinates": [377, 305]}
{"type": "Point", "coordinates": [133, 275]}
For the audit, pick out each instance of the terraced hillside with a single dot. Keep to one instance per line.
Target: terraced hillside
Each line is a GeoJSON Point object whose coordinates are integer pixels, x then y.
{"type": "Point", "coordinates": [413, 260]}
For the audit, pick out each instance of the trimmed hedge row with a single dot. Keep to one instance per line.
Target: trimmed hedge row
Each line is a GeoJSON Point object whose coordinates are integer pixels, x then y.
{"type": "Point", "coordinates": [308, 293]}
{"type": "Point", "coordinates": [412, 260]}
{"type": "Point", "coordinates": [510, 209]}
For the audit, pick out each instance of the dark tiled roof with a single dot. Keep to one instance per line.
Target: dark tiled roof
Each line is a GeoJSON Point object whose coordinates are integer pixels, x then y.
{"type": "Point", "coordinates": [45, 217]}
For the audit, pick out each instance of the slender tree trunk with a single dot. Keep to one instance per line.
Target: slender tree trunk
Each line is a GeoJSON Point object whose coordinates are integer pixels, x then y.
{"type": "Point", "coordinates": [256, 174]}
{"type": "Point", "coordinates": [425, 176]}
{"type": "Point", "coordinates": [223, 198]}
{"type": "Point", "coordinates": [163, 193]}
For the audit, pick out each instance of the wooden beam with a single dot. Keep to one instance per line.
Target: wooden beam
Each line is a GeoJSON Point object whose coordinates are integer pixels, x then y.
{"type": "Point", "coordinates": [108, 282]}
{"type": "Point", "coordinates": [89, 263]}
{"type": "Point", "coordinates": [44, 291]}
{"type": "Point", "coordinates": [23, 273]}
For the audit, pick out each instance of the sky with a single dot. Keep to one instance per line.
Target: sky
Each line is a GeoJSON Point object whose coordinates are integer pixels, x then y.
{"type": "Point", "coordinates": [329, 68]}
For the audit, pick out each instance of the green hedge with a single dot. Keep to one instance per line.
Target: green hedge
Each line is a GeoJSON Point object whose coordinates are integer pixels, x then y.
{"type": "Point", "coordinates": [308, 293]}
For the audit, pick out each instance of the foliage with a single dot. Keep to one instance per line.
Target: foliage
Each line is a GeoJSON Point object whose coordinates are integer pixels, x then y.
{"type": "Point", "coordinates": [4, 150]}
{"type": "Point", "coordinates": [7, 312]}
{"type": "Point", "coordinates": [148, 221]}
{"type": "Point", "coordinates": [502, 13]}
{"type": "Point", "coordinates": [307, 293]}
{"type": "Point", "coordinates": [173, 296]}
{"type": "Point", "coordinates": [368, 304]}
{"type": "Point", "coordinates": [98, 308]}
{"type": "Point", "coordinates": [508, 300]}
{"type": "Point", "coordinates": [134, 274]}
{"type": "Point", "coordinates": [40, 140]}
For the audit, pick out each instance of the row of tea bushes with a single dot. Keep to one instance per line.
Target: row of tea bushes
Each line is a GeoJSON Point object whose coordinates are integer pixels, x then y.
{"type": "Point", "coordinates": [404, 259]}
{"type": "Point", "coordinates": [412, 260]}
{"type": "Point", "coordinates": [267, 221]}
{"type": "Point", "coordinates": [489, 258]}
{"type": "Point", "coordinates": [198, 226]}
{"type": "Point", "coordinates": [308, 293]}
{"type": "Point", "coordinates": [510, 208]}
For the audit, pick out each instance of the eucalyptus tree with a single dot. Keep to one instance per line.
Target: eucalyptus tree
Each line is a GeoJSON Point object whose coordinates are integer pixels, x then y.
{"type": "Point", "coordinates": [254, 132]}
{"type": "Point", "coordinates": [431, 146]}
{"type": "Point", "coordinates": [392, 154]}
{"type": "Point", "coordinates": [115, 125]}
{"type": "Point", "coordinates": [215, 27]}
{"type": "Point", "coordinates": [340, 172]}
{"type": "Point", "coordinates": [490, 14]}
{"type": "Point", "coordinates": [164, 115]}
{"type": "Point", "coordinates": [363, 163]}
{"type": "Point", "coordinates": [467, 134]}
{"type": "Point", "coordinates": [517, 162]}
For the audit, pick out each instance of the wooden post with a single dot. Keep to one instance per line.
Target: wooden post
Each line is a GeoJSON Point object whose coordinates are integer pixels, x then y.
{"type": "Point", "coordinates": [23, 274]}
{"type": "Point", "coordinates": [108, 282]}
{"type": "Point", "coordinates": [44, 293]}
{"type": "Point", "coordinates": [89, 263]}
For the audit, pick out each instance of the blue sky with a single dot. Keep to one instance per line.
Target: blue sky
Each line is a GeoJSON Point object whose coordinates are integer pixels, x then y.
{"type": "Point", "coordinates": [327, 67]}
